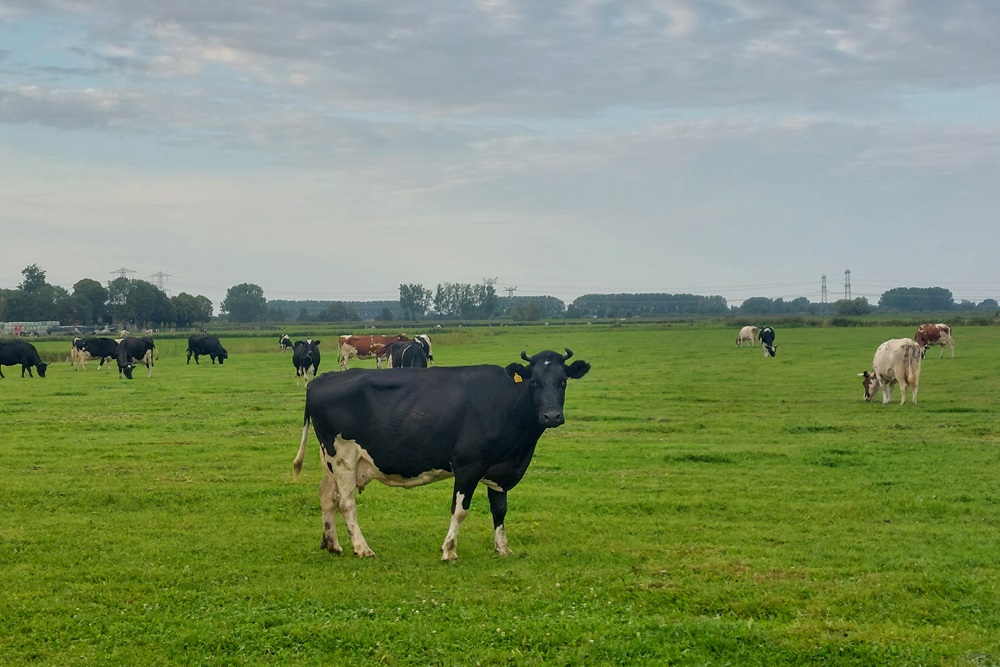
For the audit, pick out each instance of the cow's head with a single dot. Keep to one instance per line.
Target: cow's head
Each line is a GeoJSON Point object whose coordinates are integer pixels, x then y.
{"type": "Point", "coordinates": [126, 370]}
{"type": "Point", "coordinates": [870, 383]}
{"type": "Point", "coordinates": [770, 349]}
{"type": "Point", "coordinates": [546, 375]}
{"type": "Point", "coordinates": [40, 367]}
{"type": "Point", "coordinates": [223, 355]}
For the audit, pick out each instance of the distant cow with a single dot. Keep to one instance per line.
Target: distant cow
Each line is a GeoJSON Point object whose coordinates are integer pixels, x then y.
{"type": "Point", "coordinates": [365, 347]}
{"type": "Point", "coordinates": [85, 349]}
{"type": "Point", "coordinates": [284, 343]}
{"type": "Point", "coordinates": [409, 354]}
{"type": "Point", "coordinates": [896, 360]}
{"type": "Point", "coordinates": [132, 351]}
{"type": "Point", "coordinates": [934, 334]}
{"type": "Point", "coordinates": [410, 427]}
{"type": "Point", "coordinates": [16, 352]}
{"type": "Point", "coordinates": [205, 345]}
{"type": "Point", "coordinates": [306, 357]}
{"type": "Point", "coordinates": [748, 334]}
{"type": "Point", "coordinates": [767, 341]}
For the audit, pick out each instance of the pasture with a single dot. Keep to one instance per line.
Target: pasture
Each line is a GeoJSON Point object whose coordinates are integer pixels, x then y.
{"type": "Point", "coordinates": [702, 505]}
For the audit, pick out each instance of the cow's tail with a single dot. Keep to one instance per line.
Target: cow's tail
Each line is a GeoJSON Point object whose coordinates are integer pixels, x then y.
{"type": "Point", "coordinates": [300, 457]}
{"type": "Point", "coordinates": [911, 358]}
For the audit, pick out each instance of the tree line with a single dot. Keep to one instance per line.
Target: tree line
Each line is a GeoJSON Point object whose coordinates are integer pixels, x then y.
{"type": "Point", "coordinates": [131, 301]}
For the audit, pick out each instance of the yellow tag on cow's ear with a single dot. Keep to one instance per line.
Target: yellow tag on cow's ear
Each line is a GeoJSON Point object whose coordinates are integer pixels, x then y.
{"type": "Point", "coordinates": [518, 378]}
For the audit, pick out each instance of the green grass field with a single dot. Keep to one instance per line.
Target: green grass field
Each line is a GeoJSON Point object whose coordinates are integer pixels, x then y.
{"type": "Point", "coordinates": [701, 506]}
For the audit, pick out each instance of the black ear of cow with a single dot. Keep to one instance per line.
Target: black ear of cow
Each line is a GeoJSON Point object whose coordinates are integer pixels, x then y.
{"type": "Point", "coordinates": [315, 342]}
{"type": "Point", "coordinates": [516, 370]}
{"type": "Point", "coordinates": [577, 369]}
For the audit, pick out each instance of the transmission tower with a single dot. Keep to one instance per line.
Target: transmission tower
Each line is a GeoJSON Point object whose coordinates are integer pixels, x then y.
{"type": "Point", "coordinates": [847, 284]}
{"type": "Point", "coordinates": [510, 291]}
{"type": "Point", "coordinates": [160, 279]}
{"type": "Point", "coordinates": [123, 271]}
{"type": "Point", "coordinates": [822, 290]}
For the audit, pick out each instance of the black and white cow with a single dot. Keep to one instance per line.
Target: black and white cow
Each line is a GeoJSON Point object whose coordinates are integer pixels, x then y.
{"type": "Point", "coordinates": [18, 352]}
{"type": "Point", "coordinates": [477, 424]}
{"type": "Point", "coordinates": [305, 358]}
{"type": "Point", "coordinates": [766, 338]}
{"type": "Point", "coordinates": [411, 354]}
{"type": "Point", "coordinates": [132, 351]}
{"type": "Point", "coordinates": [205, 345]}
{"type": "Point", "coordinates": [85, 349]}
{"type": "Point", "coordinates": [285, 343]}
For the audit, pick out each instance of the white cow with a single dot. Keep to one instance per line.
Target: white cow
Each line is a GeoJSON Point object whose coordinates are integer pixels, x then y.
{"type": "Point", "coordinates": [747, 333]}
{"type": "Point", "coordinates": [896, 360]}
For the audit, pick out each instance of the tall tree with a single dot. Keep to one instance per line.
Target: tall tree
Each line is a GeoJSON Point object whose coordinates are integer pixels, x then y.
{"type": "Point", "coordinates": [245, 303]}
{"type": "Point", "coordinates": [414, 299]}
{"type": "Point", "coordinates": [95, 294]}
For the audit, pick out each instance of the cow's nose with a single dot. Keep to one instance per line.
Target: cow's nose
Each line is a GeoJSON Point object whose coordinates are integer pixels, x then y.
{"type": "Point", "coordinates": [552, 418]}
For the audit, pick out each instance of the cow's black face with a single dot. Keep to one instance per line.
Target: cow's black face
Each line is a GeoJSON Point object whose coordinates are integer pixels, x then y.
{"type": "Point", "coordinates": [546, 375]}
{"type": "Point", "coordinates": [127, 371]}
{"type": "Point", "coordinates": [41, 369]}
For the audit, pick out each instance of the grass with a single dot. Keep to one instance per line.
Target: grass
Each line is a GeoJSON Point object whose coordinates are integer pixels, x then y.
{"type": "Point", "coordinates": [701, 506]}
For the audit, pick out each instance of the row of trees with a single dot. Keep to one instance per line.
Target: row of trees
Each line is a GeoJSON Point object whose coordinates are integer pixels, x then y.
{"type": "Point", "coordinates": [121, 301]}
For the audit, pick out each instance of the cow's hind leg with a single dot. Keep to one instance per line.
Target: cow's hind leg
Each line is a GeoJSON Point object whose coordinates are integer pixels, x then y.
{"type": "Point", "coordinates": [328, 503]}
{"type": "Point", "coordinates": [343, 467]}
{"type": "Point", "coordinates": [498, 508]}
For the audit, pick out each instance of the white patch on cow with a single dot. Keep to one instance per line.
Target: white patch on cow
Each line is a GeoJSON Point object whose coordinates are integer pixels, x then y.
{"type": "Point", "coordinates": [491, 484]}
{"type": "Point", "coordinates": [451, 539]}
{"type": "Point", "coordinates": [500, 541]}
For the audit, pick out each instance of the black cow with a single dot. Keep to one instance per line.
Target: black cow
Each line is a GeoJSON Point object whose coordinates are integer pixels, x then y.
{"type": "Point", "coordinates": [285, 343]}
{"type": "Point", "coordinates": [210, 345]}
{"type": "Point", "coordinates": [94, 348]}
{"type": "Point", "coordinates": [411, 354]}
{"type": "Point", "coordinates": [16, 352]}
{"type": "Point", "coordinates": [767, 341]}
{"type": "Point", "coordinates": [305, 357]}
{"type": "Point", "coordinates": [414, 426]}
{"type": "Point", "coordinates": [135, 350]}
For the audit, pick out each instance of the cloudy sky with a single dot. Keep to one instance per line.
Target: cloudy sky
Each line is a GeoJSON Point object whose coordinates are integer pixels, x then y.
{"type": "Point", "coordinates": [335, 149]}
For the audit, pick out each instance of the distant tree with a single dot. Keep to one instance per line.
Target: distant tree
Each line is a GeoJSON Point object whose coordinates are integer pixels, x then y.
{"type": "Point", "coordinates": [916, 300]}
{"type": "Point", "coordinates": [385, 316]}
{"type": "Point", "coordinates": [245, 303]}
{"type": "Point", "coordinates": [988, 305]}
{"type": "Point", "coordinates": [857, 306]}
{"type": "Point", "coordinates": [338, 311]}
{"type": "Point", "coordinates": [303, 315]}
{"type": "Point", "coordinates": [96, 295]}
{"type": "Point", "coordinates": [757, 305]}
{"type": "Point", "coordinates": [34, 279]}
{"type": "Point", "coordinates": [414, 300]}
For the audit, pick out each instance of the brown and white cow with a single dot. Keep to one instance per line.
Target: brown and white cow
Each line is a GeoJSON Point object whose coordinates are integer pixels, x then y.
{"type": "Point", "coordinates": [365, 347]}
{"type": "Point", "coordinates": [895, 361]}
{"type": "Point", "coordinates": [747, 333]}
{"type": "Point", "coordinates": [934, 334]}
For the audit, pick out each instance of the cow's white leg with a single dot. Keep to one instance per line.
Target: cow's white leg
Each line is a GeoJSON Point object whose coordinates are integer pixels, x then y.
{"type": "Point", "coordinates": [344, 468]}
{"type": "Point", "coordinates": [458, 513]}
{"type": "Point", "coordinates": [328, 503]}
{"type": "Point", "coordinates": [886, 388]}
{"type": "Point", "coordinates": [498, 508]}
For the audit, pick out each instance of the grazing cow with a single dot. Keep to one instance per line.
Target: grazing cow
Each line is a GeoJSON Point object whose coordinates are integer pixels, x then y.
{"type": "Point", "coordinates": [202, 345]}
{"type": "Point", "coordinates": [135, 350]}
{"type": "Point", "coordinates": [409, 354]}
{"type": "Point", "coordinates": [365, 347]}
{"type": "Point", "coordinates": [748, 334]}
{"type": "Point", "coordinates": [414, 426]}
{"type": "Point", "coordinates": [16, 352]}
{"type": "Point", "coordinates": [934, 334]}
{"type": "Point", "coordinates": [896, 360]}
{"type": "Point", "coordinates": [85, 349]}
{"type": "Point", "coordinates": [305, 358]}
{"type": "Point", "coordinates": [767, 342]}
{"type": "Point", "coordinates": [285, 343]}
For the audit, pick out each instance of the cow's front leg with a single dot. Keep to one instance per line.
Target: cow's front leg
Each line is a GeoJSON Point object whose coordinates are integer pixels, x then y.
{"type": "Point", "coordinates": [460, 501]}
{"type": "Point", "coordinates": [498, 508]}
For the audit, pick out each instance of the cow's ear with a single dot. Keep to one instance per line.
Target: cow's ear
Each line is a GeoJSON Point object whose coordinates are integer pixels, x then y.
{"type": "Point", "coordinates": [315, 342]}
{"type": "Point", "coordinates": [517, 372]}
{"type": "Point", "coordinates": [577, 369]}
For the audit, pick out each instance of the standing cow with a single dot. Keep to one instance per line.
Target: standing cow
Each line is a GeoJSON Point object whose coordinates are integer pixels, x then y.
{"type": "Point", "coordinates": [406, 355]}
{"type": "Point", "coordinates": [365, 347]}
{"type": "Point", "coordinates": [285, 343]}
{"type": "Point", "coordinates": [132, 351]}
{"type": "Point", "coordinates": [934, 334]}
{"type": "Point", "coordinates": [477, 424]}
{"type": "Point", "coordinates": [205, 345]}
{"type": "Point", "coordinates": [18, 352]}
{"type": "Point", "coordinates": [896, 360]}
{"type": "Point", "coordinates": [747, 334]}
{"type": "Point", "coordinates": [767, 342]}
{"type": "Point", "coordinates": [85, 349]}
{"type": "Point", "coordinates": [306, 358]}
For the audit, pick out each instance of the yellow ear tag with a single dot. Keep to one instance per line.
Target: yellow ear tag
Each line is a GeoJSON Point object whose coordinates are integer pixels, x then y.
{"type": "Point", "coordinates": [517, 378]}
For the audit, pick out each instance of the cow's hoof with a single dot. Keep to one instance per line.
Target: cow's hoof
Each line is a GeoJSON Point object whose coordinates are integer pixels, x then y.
{"type": "Point", "coordinates": [365, 554]}
{"type": "Point", "coordinates": [331, 546]}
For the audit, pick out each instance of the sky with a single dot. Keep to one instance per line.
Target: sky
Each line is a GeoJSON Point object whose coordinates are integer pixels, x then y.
{"type": "Point", "coordinates": [335, 150]}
